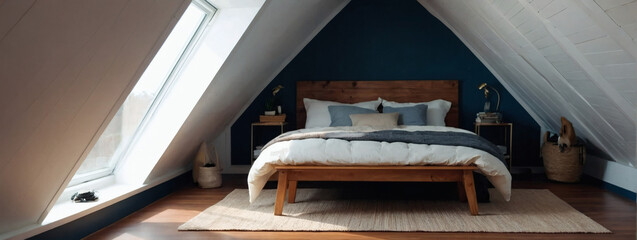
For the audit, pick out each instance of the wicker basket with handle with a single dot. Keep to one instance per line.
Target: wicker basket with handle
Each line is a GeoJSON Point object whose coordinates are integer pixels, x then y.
{"type": "Point", "coordinates": [564, 166]}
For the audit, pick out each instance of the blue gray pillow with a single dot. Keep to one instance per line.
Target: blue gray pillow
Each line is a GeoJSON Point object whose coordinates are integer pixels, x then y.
{"type": "Point", "coordinates": [413, 115]}
{"type": "Point", "coordinates": [340, 114]}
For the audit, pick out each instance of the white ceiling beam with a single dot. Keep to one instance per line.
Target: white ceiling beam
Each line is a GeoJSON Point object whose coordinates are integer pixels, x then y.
{"type": "Point", "coordinates": [599, 17]}
{"type": "Point", "coordinates": [588, 68]}
{"type": "Point", "coordinates": [555, 95]}
{"type": "Point", "coordinates": [523, 101]}
{"type": "Point", "coordinates": [540, 64]}
{"type": "Point", "coordinates": [615, 151]}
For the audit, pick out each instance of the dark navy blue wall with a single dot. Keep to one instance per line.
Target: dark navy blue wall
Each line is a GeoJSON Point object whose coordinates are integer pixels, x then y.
{"type": "Point", "coordinates": [390, 40]}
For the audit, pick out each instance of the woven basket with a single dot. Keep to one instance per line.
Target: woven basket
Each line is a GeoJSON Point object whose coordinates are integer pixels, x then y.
{"type": "Point", "coordinates": [564, 166]}
{"type": "Point", "coordinates": [210, 177]}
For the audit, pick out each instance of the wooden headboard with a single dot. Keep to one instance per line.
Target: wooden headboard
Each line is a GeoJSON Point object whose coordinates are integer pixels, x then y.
{"type": "Point", "coordinates": [360, 91]}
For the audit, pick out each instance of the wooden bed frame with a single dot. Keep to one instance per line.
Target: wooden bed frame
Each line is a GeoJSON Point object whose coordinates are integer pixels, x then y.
{"type": "Point", "coordinates": [359, 91]}
{"type": "Point", "coordinates": [289, 176]}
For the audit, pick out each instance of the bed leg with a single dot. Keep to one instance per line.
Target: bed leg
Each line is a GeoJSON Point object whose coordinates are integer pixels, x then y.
{"type": "Point", "coordinates": [292, 191]}
{"type": "Point", "coordinates": [280, 192]}
{"type": "Point", "coordinates": [462, 195]}
{"type": "Point", "coordinates": [470, 190]}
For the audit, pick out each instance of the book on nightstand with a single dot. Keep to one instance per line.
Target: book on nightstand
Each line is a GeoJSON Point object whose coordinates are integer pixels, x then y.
{"type": "Point", "coordinates": [488, 117]}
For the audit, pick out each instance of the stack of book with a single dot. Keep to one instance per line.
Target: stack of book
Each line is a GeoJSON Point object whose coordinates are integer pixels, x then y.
{"type": "Point", "coordinates": [489, 117]}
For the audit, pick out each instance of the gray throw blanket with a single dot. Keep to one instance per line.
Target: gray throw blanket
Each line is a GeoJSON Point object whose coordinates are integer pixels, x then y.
{"type": "Point", "coordinates": [417, 137]}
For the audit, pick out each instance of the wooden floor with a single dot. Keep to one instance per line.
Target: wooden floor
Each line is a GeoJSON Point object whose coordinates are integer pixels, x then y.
{"type": "Point", "coordinates": [161, 219]}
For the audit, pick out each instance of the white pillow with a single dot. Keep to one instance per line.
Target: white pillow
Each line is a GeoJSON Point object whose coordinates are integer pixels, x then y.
{"type": "Point", "coordinates": [436, 110]}
{"type": "Point", "coordinates": [319, 116]}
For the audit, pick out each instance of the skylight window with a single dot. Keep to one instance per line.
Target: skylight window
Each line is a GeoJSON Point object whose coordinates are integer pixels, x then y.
{"type": "Point", "coordinates": [137, 111]}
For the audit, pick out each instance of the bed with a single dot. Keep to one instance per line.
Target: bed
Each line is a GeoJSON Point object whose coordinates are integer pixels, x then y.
{"type": "Point", "coordinates": [311, 160]}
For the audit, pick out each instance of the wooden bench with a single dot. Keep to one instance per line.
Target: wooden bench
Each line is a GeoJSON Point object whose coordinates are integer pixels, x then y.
{"type": "Point", "coordinates": [290, 175]}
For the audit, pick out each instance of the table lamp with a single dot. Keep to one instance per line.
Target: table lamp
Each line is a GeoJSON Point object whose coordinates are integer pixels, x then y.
{"type": "Point", "coordinates": [487, 116]}
{"type": "Point", "coordinates": [487, 104]}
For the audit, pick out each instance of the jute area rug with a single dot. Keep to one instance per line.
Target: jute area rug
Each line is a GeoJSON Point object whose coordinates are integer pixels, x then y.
{"type": "Point", "coordinates": [530, 210]}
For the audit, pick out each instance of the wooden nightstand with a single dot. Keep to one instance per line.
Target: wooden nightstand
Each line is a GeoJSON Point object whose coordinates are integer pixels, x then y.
{"type": "Point", "coordinates": [262, 124]}
{"type": "Point", "coordinates": [508, 138]}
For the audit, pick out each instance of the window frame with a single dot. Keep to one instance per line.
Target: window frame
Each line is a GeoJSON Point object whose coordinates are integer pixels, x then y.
{"type": "Point", "coordinates": [120, 155]}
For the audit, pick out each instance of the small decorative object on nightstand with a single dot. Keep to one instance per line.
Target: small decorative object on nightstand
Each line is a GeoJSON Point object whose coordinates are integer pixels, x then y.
{"type": "Point", "coordinates": [255, 151]}
{"type": "Point", "coordinates": [508, 139]}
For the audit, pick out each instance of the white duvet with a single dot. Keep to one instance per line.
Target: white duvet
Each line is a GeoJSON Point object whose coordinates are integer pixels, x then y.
{"type": "Point", "coordinates": [317, 151]}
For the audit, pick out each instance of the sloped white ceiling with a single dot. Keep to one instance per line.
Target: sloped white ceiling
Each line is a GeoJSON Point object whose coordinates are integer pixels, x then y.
{"type": "Point", "coordinates": [277, 34]}
{"type": "Point", "coordinates": [63, 66]}
{"type": "Point", "coordinates": [572, 58]}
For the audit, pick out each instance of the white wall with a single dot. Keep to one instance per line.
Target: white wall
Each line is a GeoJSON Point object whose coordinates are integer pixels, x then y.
{"type": "Point", "coordinates": [612, 172]}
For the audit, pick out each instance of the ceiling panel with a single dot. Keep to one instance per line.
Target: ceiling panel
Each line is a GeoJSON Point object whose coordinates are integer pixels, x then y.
{"type": "Point", "coordinates": [559, 60]}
